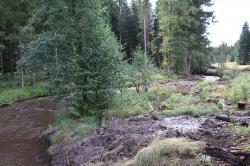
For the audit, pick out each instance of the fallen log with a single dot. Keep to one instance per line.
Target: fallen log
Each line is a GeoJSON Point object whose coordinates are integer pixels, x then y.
{"type": "Point", "coordinates": [239, 120]}
{"type": "Point", "coordinates": [236, 157]}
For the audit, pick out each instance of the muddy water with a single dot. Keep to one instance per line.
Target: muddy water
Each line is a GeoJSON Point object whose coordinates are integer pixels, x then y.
{"type": "Point", "coordinates": [21, 126]}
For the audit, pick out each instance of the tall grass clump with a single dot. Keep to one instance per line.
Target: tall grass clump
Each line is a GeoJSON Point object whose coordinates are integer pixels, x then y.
{"type": "Point", "coordinates": [170, 152]}
{"type": "Point", "coordinates": [129, 103]}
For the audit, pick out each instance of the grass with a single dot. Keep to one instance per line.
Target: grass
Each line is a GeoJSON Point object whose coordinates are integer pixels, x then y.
{"type": "Point", "coordinates": [239, 89]}
{"type": "Point", "coordinates": [169, 152]}
{"type": "Point", "coordinates": [240, 130]}
{"type": "Point", "coordinates": [128, 104]}
{"type": "Point", "coordinates": [177, 100]}
{"type": "Point", "coordinates": [10, 95]}
{"type": "Point", "coordinates": [195, 110]}
{"type": "Point", "coordinates": [70, 129]}
{"type": "Point", "coordinates": [233, 66]}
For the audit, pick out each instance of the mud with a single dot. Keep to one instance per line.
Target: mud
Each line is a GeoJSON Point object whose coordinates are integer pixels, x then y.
{"type": "Point", "coordinates": [21, 125]}
{"type": "Point", "coordinates": [122, 139]}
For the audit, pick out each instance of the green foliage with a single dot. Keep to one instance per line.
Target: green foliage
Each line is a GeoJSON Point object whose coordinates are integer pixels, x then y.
{"type": "Point", "coordinates": [160, 93]}
{"type": "Point", "coordinates": [78, 49]}
{"type": "Point", "coordinates": [205, 87]}
{"type": "Point", "coordinates": [239, 88]}
{"type": "Point", "coordinates": [139, 73]}
{"type": "Point", "coordinates": [168, 152]}
{"type": "Point", "coordinates": [8, 96]}
{"type": "Point", "coordinates": [183, 26]}
{"type": "Point", "coordinates": [177, 100]}
{"type": "Point", "coordinates": [240, 130]}
{"type": "Point", "coordinates": [247, 147]}
{"type": "Point", "coordinates": [70, 130]}
{"type": "Point", "coordinates": [244, 45]}
{"type": "Point", "coordinates": [195, 110]}
{"type": "Point", "coordinates": [129, 103]}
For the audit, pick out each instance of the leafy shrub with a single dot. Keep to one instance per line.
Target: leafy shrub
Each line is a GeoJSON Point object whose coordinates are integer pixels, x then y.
{"type": "Point", "coordinates": [169, 152]}
{"type": "Point", "coordinates": [239, 89]}
{"type": "Point", "coordinates": [5, 100]}
{"type": "Point", "coordinates": [204, 85]}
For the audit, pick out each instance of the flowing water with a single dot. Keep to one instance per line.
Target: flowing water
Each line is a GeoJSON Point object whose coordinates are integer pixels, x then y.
{"type": "Point", "coordinates": [21, 125]}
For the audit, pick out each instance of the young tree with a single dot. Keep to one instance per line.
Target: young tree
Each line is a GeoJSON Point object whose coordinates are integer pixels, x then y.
{"type": "Point", "coordinates": [244, 45]}
{"type": "Point", "coordinates": [79, 50]}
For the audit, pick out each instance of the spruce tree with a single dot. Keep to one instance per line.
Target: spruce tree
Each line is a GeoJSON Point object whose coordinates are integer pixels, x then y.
{"type": "Point", "coordinates": [244, 45]}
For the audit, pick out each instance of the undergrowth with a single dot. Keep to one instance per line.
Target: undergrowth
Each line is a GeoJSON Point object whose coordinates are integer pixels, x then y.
{"type": "Point", "coordinates": [195, 110]}
{"type": "Point", "coordinates": [69, 129]}
{"type": "Point", "coordinates": [239, 89]}
{"type": "Point", "coordinates": [10, 95]}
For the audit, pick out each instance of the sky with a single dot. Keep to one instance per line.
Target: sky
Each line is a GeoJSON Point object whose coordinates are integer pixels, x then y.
{"type": "Point", "coordinates": [230, 16]}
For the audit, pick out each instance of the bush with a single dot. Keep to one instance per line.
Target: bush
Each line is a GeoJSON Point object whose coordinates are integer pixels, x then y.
{"type": "Point", "coordinates": [239, 89]}
{"type": "Point", "coordinates": [170, 152]}
{"type": "Point", "coordinates": [204, 85]}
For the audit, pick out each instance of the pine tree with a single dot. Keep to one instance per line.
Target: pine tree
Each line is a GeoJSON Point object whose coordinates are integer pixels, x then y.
{"type": "Point", "coordinates": [244, 45]}
{"type": "Point", "coordinates": [183, 30]}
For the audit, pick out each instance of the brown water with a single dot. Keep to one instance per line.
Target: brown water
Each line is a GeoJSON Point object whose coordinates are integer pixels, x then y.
{"type": "Point", "coordinates": [21, 126]}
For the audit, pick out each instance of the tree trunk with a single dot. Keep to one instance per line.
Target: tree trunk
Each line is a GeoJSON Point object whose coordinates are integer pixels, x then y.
{"type": "Point", "coordinates": [1, 61]}
{"type": "Point", "coordinates": [22, 79]}
{"type": "Point", "coordinates": [145, 32]}
{"type": "Point", "coordinates": [189, 62]}
{"type": "Point", "coordinates": [33, 78]}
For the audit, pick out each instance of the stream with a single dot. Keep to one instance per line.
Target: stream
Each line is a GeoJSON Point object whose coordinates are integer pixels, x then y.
{"type": "Point", "coordinates": [21, 125]}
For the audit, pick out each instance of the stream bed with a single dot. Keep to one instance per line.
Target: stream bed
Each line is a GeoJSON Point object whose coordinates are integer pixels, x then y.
{"type": "Point", "coordinates": [21, 125]}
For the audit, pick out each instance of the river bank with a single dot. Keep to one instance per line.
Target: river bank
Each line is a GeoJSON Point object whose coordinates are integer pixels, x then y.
{"type": "Point", "coordinates": [189, 111]}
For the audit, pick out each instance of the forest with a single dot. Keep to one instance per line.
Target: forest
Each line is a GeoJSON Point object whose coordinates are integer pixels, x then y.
{"type": "Point", "coordinates": [121, 83]}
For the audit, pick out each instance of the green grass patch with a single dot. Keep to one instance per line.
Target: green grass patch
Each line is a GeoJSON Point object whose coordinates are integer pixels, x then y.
{"type": "Point", "coordinates": [177, 100]}
{"type": "Point", "coordinates": [70, 129]}
{"type": "Point", "coordinates": [159, 93]}
{"type": "Point", "coordinates": [195, 110]}
{"type": "Point", "coordinates": [239, 130]}
{"type": "Point", "coordinates": [128, 104]}
{"type": "Point", "coordinates": [9, 95]}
